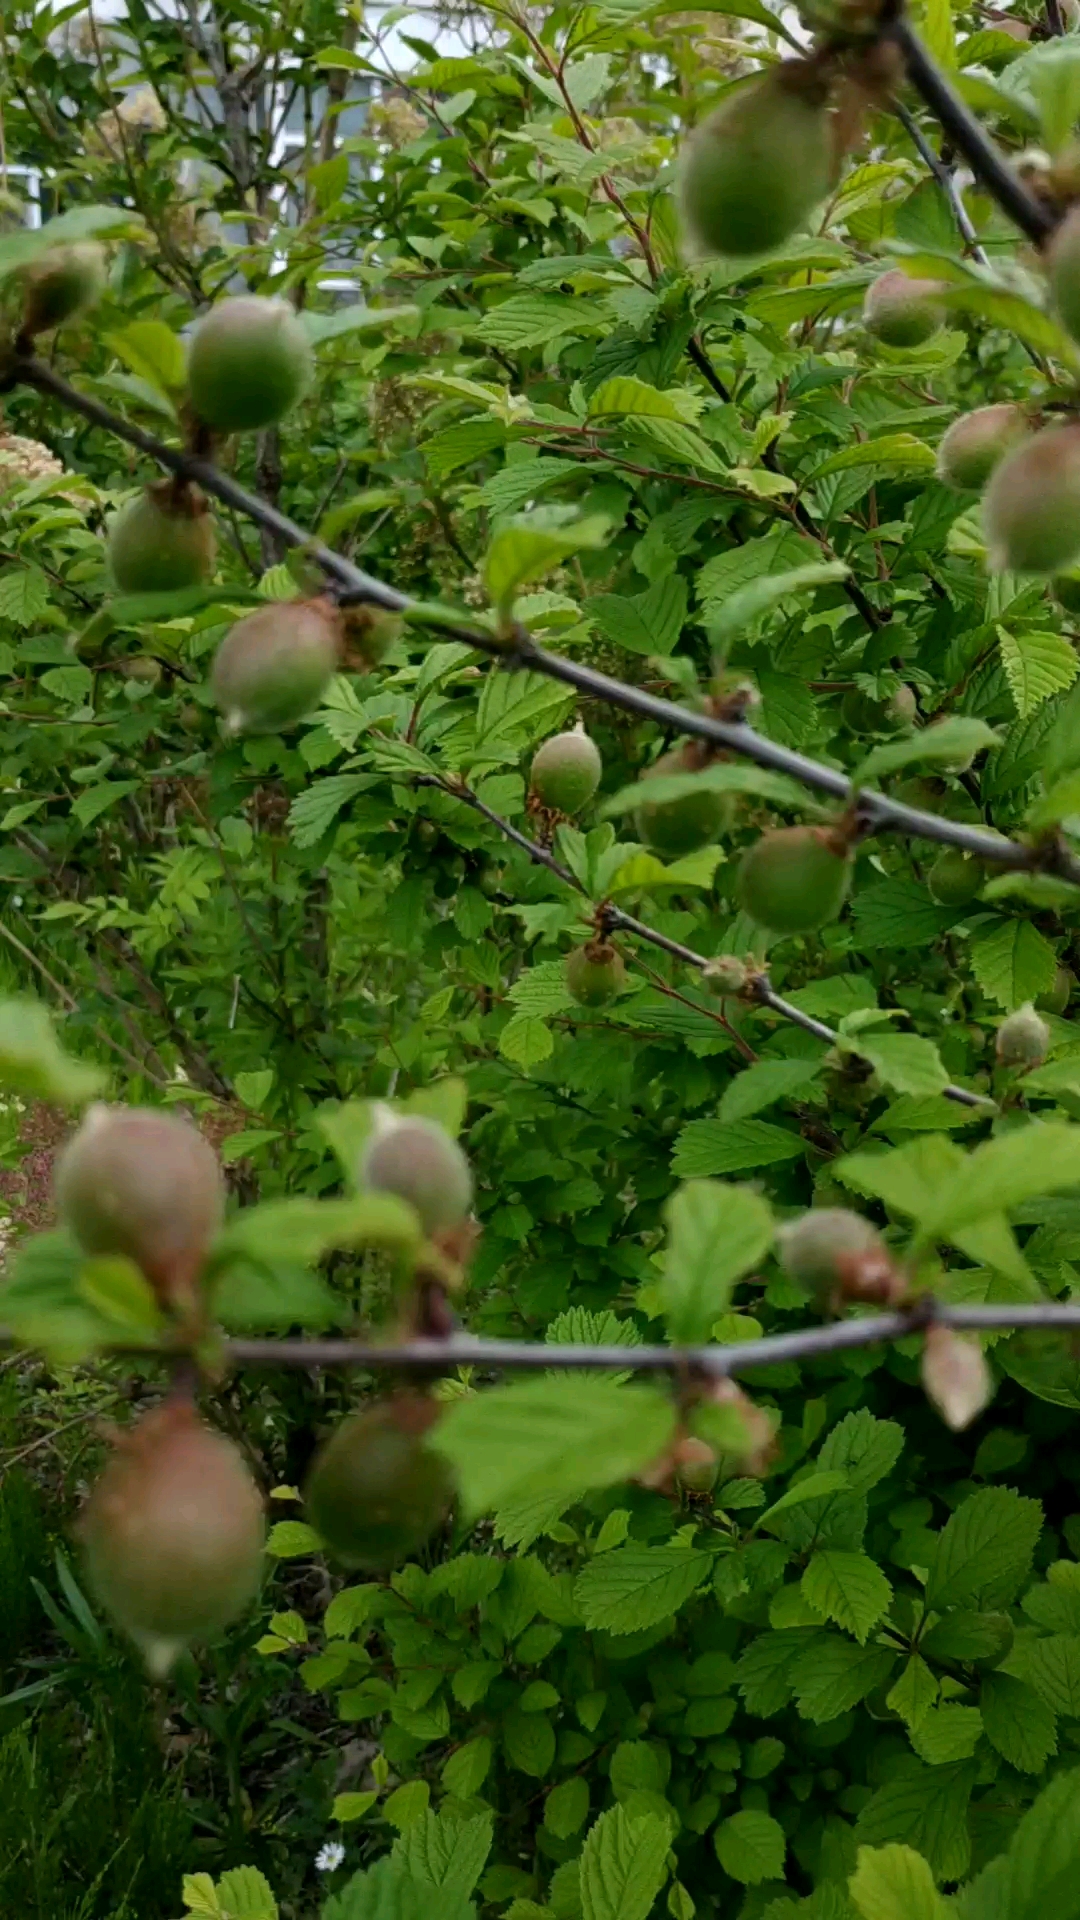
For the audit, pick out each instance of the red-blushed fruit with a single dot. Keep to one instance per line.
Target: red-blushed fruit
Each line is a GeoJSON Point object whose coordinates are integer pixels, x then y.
{"type": "Point", "coordinates": [274, 666]}
{"type": "Point", "coordinates": [972, 447]}
{"type": "Point", "coordinates": [792, 880]}
{"type": "Point", "coordinates": [1063, 263]}
{"type": "Point", "coordinates": [162, 541]}
{"type": "Point", "coordinates": [836, 1254]}
{"type": "Point", "coordinates": [250, 362]}
{"type": "Point", "coordinates": [64, 282]}
{"type": "Point", "coordinates": [417, 1159]}
{"type": "Point", "coordinates": [173, 1533]}
{"type": "Point", "coordinates": [142, 1183]}
{"type": "Point", "coordinates": [1057, 996]}
{"type": "Point", "coordinates": [376, 1492]}
{"type": "Point", "coordinates": [675, 827]}
{"type": "Point", "coordinates": [1023, 1039]}
{"type": "Point", "coordinates": [901, 311]}
{"type": "Point", "coordinates": [1031, 507]}
{"type": "Point", "coordinates": [565, 771]}
{"type": "Point", "coordinates": [594, 974]}
{"type": "Point", "coordinates": [752, 172]}
{"type": "Point", "coordinates": [955, 878]}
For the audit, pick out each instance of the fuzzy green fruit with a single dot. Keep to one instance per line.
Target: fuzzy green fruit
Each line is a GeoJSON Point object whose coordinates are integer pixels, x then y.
{"type": "Point", "coordinates": [64, 282]}
{"type": "Point", "coordinates": [1063, 263]}
{"type": "Point", "coordinates": [753, 172]}
{"type": "Point", "coordinates": [417, 1159]}
{"type": "Point", "coordinates": [376, 1492]}
{"type": "Point", "coordinates": [1023, 1039]}
{"type": "Point", "coordinates": [1031, 508]}
{"type": "Point", "coordinates": [274, 666]}
{"type": "Point", "coordinates": [1057, 997]}
{"type": "Point", "coordinates": [594, 974]}
{"type": "Point", "coordinates": [821, 1246]}
{"type": "Point", "coordinates": [162, 541]}
{"type": "Point", "coordinates": [173, 1533]}
{"type": "Point", "coordinates": [954, 878]}
{"type": "Point", "coordinates": [792, 881]}
{"type": "Point", "coordinates": [862, 714]}
{"type": "Point", "coordinates": [142, 1183]}
{"type": "Point", "coordinates": [250, 362]}
{"type": "Point", "coordinates": [565, 772]}
{"type": "Point", "coordinates": [901, 311]}
{"type": "Point", "coordinates": [972, 447]}
{"type": "Point", "coordinates": [675, 827]}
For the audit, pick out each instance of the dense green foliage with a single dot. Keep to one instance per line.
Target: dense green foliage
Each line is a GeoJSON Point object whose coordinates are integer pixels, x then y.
{"type": "Point", "coordinates": [605, 1688]}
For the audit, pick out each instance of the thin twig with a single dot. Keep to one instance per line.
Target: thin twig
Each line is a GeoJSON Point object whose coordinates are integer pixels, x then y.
{"type": "Point", "coordinates": [945, 181]}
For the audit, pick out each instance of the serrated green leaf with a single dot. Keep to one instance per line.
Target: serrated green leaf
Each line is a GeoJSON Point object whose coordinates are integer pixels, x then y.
{"type": "Point", "coordinates": [895, 1883]}
{"type": "Point", "coordinates": [1036, 665]}
{"type": "Point", "coordinates": [1013, 964]}
{"type": "Point", "coordinates": [847, 1588]}
{"type": "Point", "coordinates": [1017, 1721]}
{"type": "Point", "coordinates": [634, 1587]}
{"type": "Point", "coordinates": [716, 1233]}
{"type": "Point", "coordinates": [949, 740]}
{"type": "Point", "coordinates": [984, 1551]}
{"type": "Point", "coordinates": [751, 1847]}
{"type": "Point", "coordinates": [623, 1865]}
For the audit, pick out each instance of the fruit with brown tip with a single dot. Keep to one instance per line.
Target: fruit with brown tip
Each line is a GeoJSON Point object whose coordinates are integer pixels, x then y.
{"type": "Point", "coordinates": [794, 879]}
{"type": "Point", "coordinates": [1031, 508]}
{"type": "Point", "coordinates": [565, 771]}
{"type": "Point", "coordinates": [694, 819]}
{"type": "Point", "coordinates": [973, 446]}
{"type": "Point", "coordinates": [595, 974]}
{"type": "Point", "coordinates": [173, 1532]}
{"type": "Point", "coordinates": [274, 666]}
{"type": "Point", "coordinates": [63, 282]}
{"type": "Point", "coordinates": [1023, 1039]}
{"type": "Point", "coordinates": [377, 1492]}
{"type": "Point", "coordinates": [415, 1158]}
{"type": "Point", "coordinates": [836, 1254]}
{"type": "Point", "coordinates": [142, 1183]}
{"type": "Point", "coordinates": [250, 362]}
{"type": "Point", "coordinates": [162, 541]}
{"type": "Point", "coordinates": [752, 173]}
{"type": "Point", "coordinates": [901, 311]}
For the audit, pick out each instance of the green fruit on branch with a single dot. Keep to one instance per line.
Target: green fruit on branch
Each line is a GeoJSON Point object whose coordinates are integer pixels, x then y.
{"type": "Point", "coordinates": [901, 311]}
{"type": "Point", "coordinates": [1057, 997]}
{"type": "Point", "coordinates": [565, 771]}
{"type": "Point", "coordinates": [274, 666]}
{"type": "Point", "coordinates": [1063, 264]}
{"type": "Point", "coordinates": [954, 878]}
{"type": "Point", "coordinates": [863, 714]}
{"type": "Point", "coordinates": [250, 362]}
{"type": "Point", "coordinates": [838, 1255]}
{"type": "Point", "coordinates": [376, 1492]}
{"type": "Point", "coordinates": [162, 541]}
{"type": "Point", "coordinates": [754, 171]}
{"type": "Point", "coordinates": [972, 447]}
{"type": "Point", "coordinates": [794, 879]}
{"type": "Point", "coordinates": [1031, 508]}
{"type": "Point", "coordinates": [595, 974]}
{"type": "Point", "coordinates": [696, 1465]}
{"type": "Point", "coordinates": [64, 282]}
{"type": "Point", "coordinates": [173, 1533]}
{"type": "Point", "coordinates": [142, 1183]}
{"type": "Point", "coordinates": [675, 827]}
{"type": "Point", "coordinates": [1023, 1039]}
{"type": "Point", "coordinates": [417, 1159]}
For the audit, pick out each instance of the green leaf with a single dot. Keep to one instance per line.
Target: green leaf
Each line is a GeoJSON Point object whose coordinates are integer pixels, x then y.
{"type": "Point", "coordinates": [623, 1865]}
{"type": "Point", "coordinates": [893, 453]}
{"type": "Point", "coordinates": [1017, 1721]}
{"type": "Point", "coordinates": [723, 778]}
{"type": "Point", "coordinates": [848, 1588]}
{"type": "Point", "coordinates": [1053, 1667]}
{"type": "Point", "coordinates": [1036, 665]}
{"type": "Point", "coordinates": [116, 1289]}
{"type": "Point", "coordinates": [526, 1041]}
{"type": "Point", "coordinates": [634, 1587]}
{"type": "Point", "coordinates": [816, 1486]}
{"type": "Point", "coordinates": [530, 546]}
{"type": "Point", "coordinates": [1013, 964]}
{"type": "Point", "coordinates": [355, 318]}
{"type": "Point", "coordinates": [443, 1854]}
{"type": "Point", "coordinates": [895, 1883]}
{"type": "Point", "coordinates": [152, 350]}
{"type": "Point", "coordinates": [292, 1540]}
{"type": "Point", "coordinates": [566, 1808]}
{"type": "Point", "coordinates": [751, 1847]}
{"type": "Point", "coordinates": [303, 1230]}
{"type": "Point", "coordinates": [716, 1234]}
{"type": "Point", "coordinates": [92, 802]}
{"type": "Point", "coordinates": [905, 1061]}
{"type": "Point", "coordinates": [1039, 1158]}
{"type": "Point", "coordinates": [924, 1808]}
{"type": "Point", "coordinates": [945, 1734]}
{"type": "Point", "coordinates": [705, 1147]}
{"type": "Point", "coordinates": [948, 740]}
{"type": "Point", "coordinates": [644, 623]}
{"type": "Point", "coordinates": [759, 596]}
{"type": "Point", "coordinates": [240, 1894]}
{"type": "Point", "coordinates": [352, 1806]}
{"type": "Point", "coordinates": [1037, 1877]}
{"type": "Point", "coordinates": [984, 1551]}
{"type": "Point", "coordinates": [33, 1062]}
{"type": "Point", "coordinates": [529, 1742]}
{"type": "Point", "coordinates": [314, 811]}
{"type": "Point", "coordinates": [835, 1676]}
{"type": "Point", "coordinates": [899, 913]}
{"type": "Point", "coordinates": [546, 1438]}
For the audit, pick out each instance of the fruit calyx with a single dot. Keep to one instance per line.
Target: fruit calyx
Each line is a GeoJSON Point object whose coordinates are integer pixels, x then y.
{"type": "Point", "coordinates": [273, 666]}
{"type": "Point", "coordinates": [595, 973]}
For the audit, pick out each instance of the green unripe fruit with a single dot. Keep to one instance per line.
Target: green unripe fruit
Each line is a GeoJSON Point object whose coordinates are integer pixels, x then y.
{"type": "Point", "coordinates": [955, 878]}
{"type": "Point", "coordinates": [1063, 262]}
{"type": "Point", "coordinates": [565, 772]}
{"type": "Point", "coordinates": [901, 311]}
{"type": "Point", "coordinates": [250, 362]}
{"type": "Point", "coordinates": [142, 1183]}
{"type": "Point", "coordinates": [376, 1492]}
{"type": "Point", "coordinates": [594, 974]}
{"type": "Point", "coordinates": [417, 1159]}
{"type": "Point", "coordinates": [792, 880]}
{"type": "Point", "coordinates": [865, 715]}
{"type": "Point", "coordinates": [725, 974]}
{"type": "Point", "coordinates": [696, 1465]}
{"type": "Point", "coordinates": [1065, 588]}
{"type": "Point", "coordinates": [751, 173]}
{"type": "Point", "coordinates": [675, 827]}
{"type": "Point", "coordinates": [1023, 1040]}
{"type": "Point", "coordinates": [162, 541]}
{"type": "Point", "coordinates": [173, 1533]}
{"type": "Point", "coordinates": [972, 447]}
{"type": "Point", "coordinates": [824, 1246]}
{"type": "Point", "coordinates": [65, 282]}
{"type": "Point", "coordinates": [1031, 508]}
{"type": "Point", "coordinates": [1057, 997]}
{"type": "Point", "coordinates": [275, 665]}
